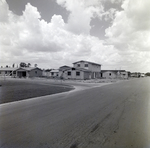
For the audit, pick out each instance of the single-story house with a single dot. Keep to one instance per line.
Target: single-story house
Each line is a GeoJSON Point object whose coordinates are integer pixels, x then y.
{"type": "Point", "coordinates": [62, 69]}
{"type": "Point", "coordinates": [7, 71]}
{"type": "Point", "coordinates": [21, 72]}
{"type": "Point", "coordinates": [50, 73]}
{"type": "Point", "coordinates": [136, 74]}
{"type": "Point", "coordinates": [46, 73]}
{"type": "Point", "coordinates": [113, 74]}
{"type": "Point", "coordinates": [54, 73]}
{"type": "Point", "coordinates": [29, 72]}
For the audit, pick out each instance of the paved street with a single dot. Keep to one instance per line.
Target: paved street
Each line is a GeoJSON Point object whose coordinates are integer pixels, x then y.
{"type": "Point", "coordinates": [111, 116]}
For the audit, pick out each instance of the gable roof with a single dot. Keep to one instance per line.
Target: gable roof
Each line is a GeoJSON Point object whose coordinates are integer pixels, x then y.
{"type": "Point", "coordinates": [28, 68]}
{"type": "Point", "coordinates": [8, 69]}
{"type": "Point", "coordinates": [47, 70]}
{"type": "Point", "coordinates": [87, 62]}
{"type": "Point", "coordinates": [64, 67]}
{"type": "Point", "coordinates": [13, 69]}
{"type": "Point", "coordinates": [54, 70]}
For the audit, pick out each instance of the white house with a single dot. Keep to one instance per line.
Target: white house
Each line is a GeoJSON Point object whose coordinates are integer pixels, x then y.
{"type": "Point", "coordinates": [7, 71]}
{"type": "Point", "coordinates": [113, 74]}
{"type": "Point", "coordinates": [54, 73]}
{"type": "Point", "coordinates": [21, 72]}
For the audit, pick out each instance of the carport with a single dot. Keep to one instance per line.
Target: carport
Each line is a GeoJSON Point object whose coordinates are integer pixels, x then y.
{"type": "Point", "coordinates": [21, 73]}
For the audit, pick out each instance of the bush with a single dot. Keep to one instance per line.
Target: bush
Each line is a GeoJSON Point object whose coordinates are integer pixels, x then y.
{"type": "Point", "coordinates": [147, 74]}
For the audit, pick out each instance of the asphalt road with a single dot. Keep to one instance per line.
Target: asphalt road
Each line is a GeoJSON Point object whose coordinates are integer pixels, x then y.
{"type": "Point", "coordinates": [111, 116]}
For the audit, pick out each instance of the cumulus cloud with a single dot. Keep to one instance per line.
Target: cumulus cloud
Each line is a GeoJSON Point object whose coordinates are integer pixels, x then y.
{"type": "Point", "coordinates": [109, 15]}
{"type": "Point", "coordinates": [131, 25]}
{"type": "Point", "coordinates": [116, 1]}
{"type": "Point", "coordinates": [81, 13]}
{"type": "Point", "coordinates": [130, 32]}
{"type": "Point", "coordinates": [29, 38]}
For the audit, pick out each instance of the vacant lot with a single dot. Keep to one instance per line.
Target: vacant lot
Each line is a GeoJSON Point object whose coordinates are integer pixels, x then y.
{"type": "Point", "coordinates": [15, 90]}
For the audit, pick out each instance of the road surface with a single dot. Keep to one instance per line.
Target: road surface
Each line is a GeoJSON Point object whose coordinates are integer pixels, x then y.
{"type": "Point", "coordinates": [111, 116]}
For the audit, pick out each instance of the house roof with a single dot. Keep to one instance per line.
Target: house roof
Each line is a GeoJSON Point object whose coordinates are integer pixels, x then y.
{"type": "Point", "coordinates": [28, 68]}
{"type": "Point", "coordinates": [54, 70]}
{"type": "Point", "coordinates": [87, 62]}
{"type": "Point", "coordinates": [8, 69]}
{"type": "Point", "coordinates": [47, 70]}
{"type": "Point", "coordinates": [13, 69]}
{"type": "Point", "coordinates": [64, 67]}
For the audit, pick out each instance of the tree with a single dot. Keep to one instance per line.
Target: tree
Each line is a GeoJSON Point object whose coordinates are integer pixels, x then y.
{"type": "Point", "coordinates": [28, 65]}
{"type": "Point", "coordinates": [35, 65]}
{"type": "Point", "coordinates": [147, 74]}
{"type": "Point", "coordinates": [22, 64]}
{"type": "Point", "coordinates": [13, 65]}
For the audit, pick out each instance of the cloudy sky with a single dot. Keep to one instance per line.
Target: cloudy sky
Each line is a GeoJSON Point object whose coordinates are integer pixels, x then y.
{"type": "Point", "coordinates": [53, 33]}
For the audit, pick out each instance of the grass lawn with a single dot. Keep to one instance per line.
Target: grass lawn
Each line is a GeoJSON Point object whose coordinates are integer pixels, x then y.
{"type": "Point", "coordinates": [15, 90]}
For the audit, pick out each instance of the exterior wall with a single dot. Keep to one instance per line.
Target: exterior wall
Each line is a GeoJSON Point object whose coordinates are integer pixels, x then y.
{"type": "Point", "coordinates": [62, 69]}
{"type": "Point", "coordinates": [60, 74]}
{"type": "Point", "coordinates": [6, 73]}
{"type": "Point", "coordinates": [73, 74]}
{"type": "Point", "coordinates": [96, 75]}
{"type": "Point", "coordinates": [113, 75]}
{"type": "Point", "coordinates": [87, 75]}
{"type": "Point", "coordinates": [124, 75]}
{"type": "Point", "coordinates": [109, 75]}
{"type": "Point", "coordinates": [35, 73]}
{"type": "Point", "coordinates": [54, 74]}
{"type": "Point", "coordinates": [91, 67]}
{"type": "Point", "coordinates": [81, 65]}
{"type": "Point", "coordinates": [94, 68]}
{"type": "Point", "coordinates": [2, 73]}
{"type": "Point", "coordinates": [46, 73]}
{"type": "Point", "coordinates": [135, 75]}
{"type": "Point", "coordinates": [21, 72]}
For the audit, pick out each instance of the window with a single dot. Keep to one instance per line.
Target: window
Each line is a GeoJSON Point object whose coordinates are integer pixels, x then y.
{"type": "Point", "coordinates": [77, 73]}
{"type": "Point", "coordinates": [110, 74]}
{"type": "Point", "coordinates": [78, 65]}
{"type": "Point", "coordinates": [86, 65]}
{"type": "Point", "coordinates": [52, 73]}
{"type": "Point", "coordinates": [5, 72]}
{"type": "Point", "coordinates": [69, 73]}
{"type": "Point", "coordinates": [35, 72]}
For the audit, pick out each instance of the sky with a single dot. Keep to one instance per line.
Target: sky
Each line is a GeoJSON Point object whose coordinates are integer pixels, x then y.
{"type": "Point", "coordinates": [53, 33]}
